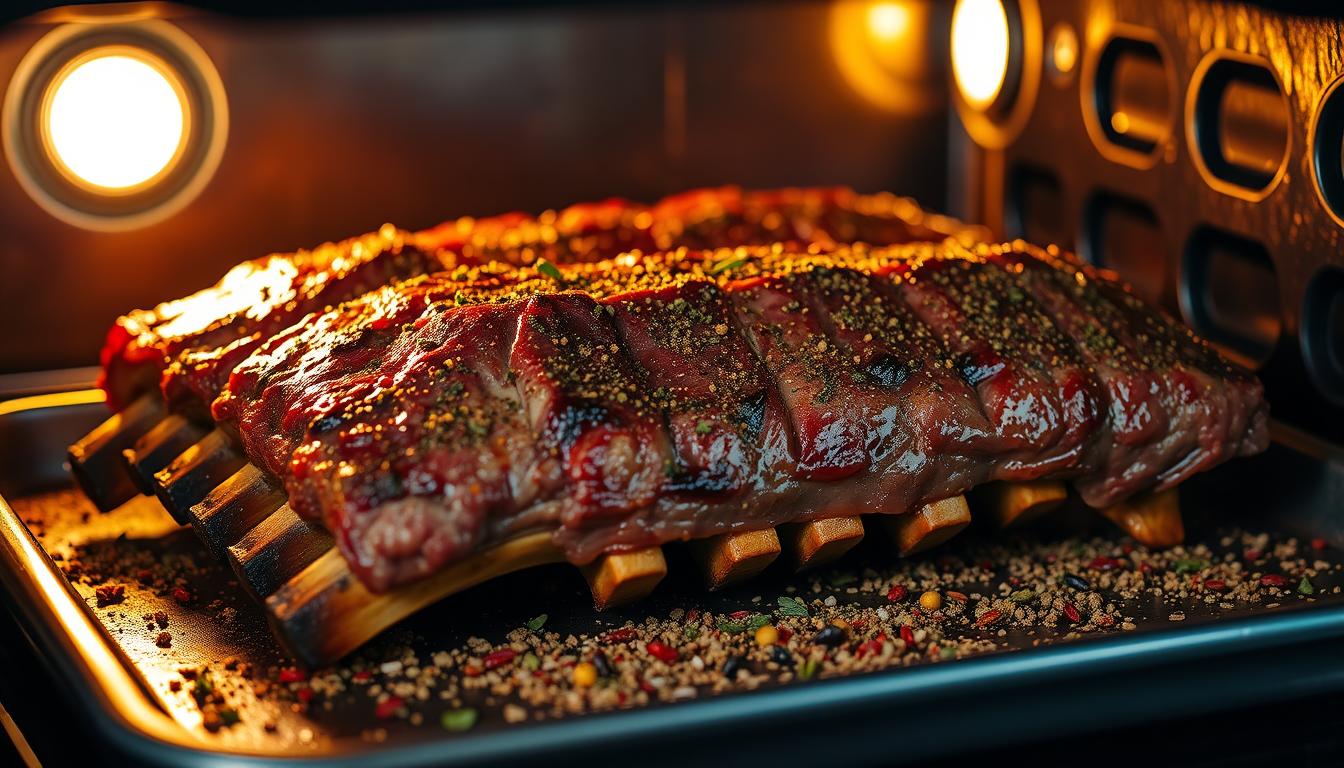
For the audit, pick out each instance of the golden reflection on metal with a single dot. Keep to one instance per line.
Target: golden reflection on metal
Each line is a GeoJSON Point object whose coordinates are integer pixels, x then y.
{"type": "Point", "coordinates": [115, 119]}
{"type": "Point", "coordinates": [1142, 92]}
{"type": "Point", "coordinates": [1064, 52]}
{"type": "Point", "coordinates": [997, 50]}
{"type": "Point", "coordinates": [980, 48]}
{"type": "Point", "coordinates": [883, 52]}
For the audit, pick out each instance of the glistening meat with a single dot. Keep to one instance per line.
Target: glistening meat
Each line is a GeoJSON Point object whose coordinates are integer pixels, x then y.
{"type": "Point", "coordinates": [676, 395]}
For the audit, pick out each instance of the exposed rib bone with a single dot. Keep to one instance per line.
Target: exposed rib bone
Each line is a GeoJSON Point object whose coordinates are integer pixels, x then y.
{"type": "Point", "coordinates": [325, 612]}
{"type": "Point", "coordinates": [1153, 519]}
{"type": "Point", "coordinates": [624, 577]}
{"type": "Point", "coordinates": [732, 557]}
{"type": "Point", "coordinates": [235, 507]}
{"type": "Point", "coordinates": [932, 525]}
{"type": "Point", "coordinates": [1018, 503]}
{"type": "Point", "coordinates": [97, 461]}
{"type": "Point", "coordinates": [819, 542]}
{"type": "Point", "coordinates": [277, 550]}
{"type": "Point", "coordinates": [191, 476]}
{"type": "Point", "coordinates": [159, 446]}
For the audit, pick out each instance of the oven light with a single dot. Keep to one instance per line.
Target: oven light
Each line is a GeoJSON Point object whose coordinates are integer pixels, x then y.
{"type": "Point", "coordinates": [980, 49]}
{"type": "Point", "coordinates": [115, 119]}
{"type": "Point", "coordinates": [888, 22]}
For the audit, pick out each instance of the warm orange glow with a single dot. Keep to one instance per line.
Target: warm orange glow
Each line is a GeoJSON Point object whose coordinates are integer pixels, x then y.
{"type": "Point", "coordinates": [115, 119]}
{"type": "Point", "coordinates": [980, 42]}
{"type": "Point", "coordinates": [888, 22]}
{"type": "Point", "coordinates": [1063, 49]}
{"type": "Point", "coordinates": [882, 50]}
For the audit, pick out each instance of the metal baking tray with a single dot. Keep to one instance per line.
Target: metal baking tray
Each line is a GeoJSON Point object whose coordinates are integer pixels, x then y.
{"type": "Point", "coordinates": [110, 668]}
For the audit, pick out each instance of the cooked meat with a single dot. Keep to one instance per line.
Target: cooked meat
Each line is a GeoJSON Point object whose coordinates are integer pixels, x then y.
{"type": "Point", "coordinates": [190, 345]}
{"type": "Point", "coordinates": [678, 395]}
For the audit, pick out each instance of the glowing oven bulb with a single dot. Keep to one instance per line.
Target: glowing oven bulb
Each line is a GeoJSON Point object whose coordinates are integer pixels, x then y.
{"type": "Point", "coordinates": [980, 45]}
{"type": "Point", "coordinates": [115, 121]}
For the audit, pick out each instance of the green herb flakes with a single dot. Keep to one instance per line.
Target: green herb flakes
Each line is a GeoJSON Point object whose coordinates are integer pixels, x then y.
{"type": "Point", "coordinates": [1189, 565]}
{"type": "Point", "coordinates": [1305, 587]}
{"type": "Point", "coordinates": [1021, 596]}
{"type": "Point", "coordinates": [703, 427]}
{"type": "Point", "coordinates": [531, 662]}
{"type": "Point", "coordinates": [808, 669]}
{"type": "Point", "coordinates": [792, 606]}
{"type": "Point", "coordinates": [536, 623]}
{"type": "Point", "coordinates": [458, 720]}
{"type": "Point", "coordinates": [732, 262]}
{"type": "Point", "coordinates": [691, 632]}
{"type": "Point", "coordinates": [730, 627]}
{"type": "Point", "coordinates": [550, 270]}
{"type": "Point", "coordinates": [756, 621]}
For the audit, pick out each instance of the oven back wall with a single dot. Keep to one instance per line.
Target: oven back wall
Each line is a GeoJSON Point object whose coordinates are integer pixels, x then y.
{"type": "Point", "coordinates": [338, 125]}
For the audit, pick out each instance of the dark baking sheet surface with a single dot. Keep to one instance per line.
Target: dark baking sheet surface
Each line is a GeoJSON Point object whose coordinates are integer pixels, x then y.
{"type": "Point", "coordinates": [219, 629]}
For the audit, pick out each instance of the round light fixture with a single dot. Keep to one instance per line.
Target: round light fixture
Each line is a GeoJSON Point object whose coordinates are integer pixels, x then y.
{"type": "Point", "coordinates": [981, 48]}
{"type": "Point", "coordinates": [115, 125]}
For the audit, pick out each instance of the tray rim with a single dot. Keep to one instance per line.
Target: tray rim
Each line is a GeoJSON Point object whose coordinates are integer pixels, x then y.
{"type": "Point", "coordinates": [124, 711]}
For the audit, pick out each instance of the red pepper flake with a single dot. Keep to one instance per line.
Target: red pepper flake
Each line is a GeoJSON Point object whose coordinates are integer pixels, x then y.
{"type": "Point", "coordinates": [1127, 548]}
{"type": "Point", "coordinates": [145, 575]}
{"type": "Point", "coordinates": [1105, 620]}
{"type": "Point", "coordinates": [1251, 555]}
{"type": "Point", "coordinates": [986, 565]}
{"type": "Point", "coordinates": [988, 617]}
{"type": "Point", "coordinates": [897, 593]}
{"type": "Point", "coordinates": [181, 595]}
{"type": "Point", "coordinates": [292, 675]}
{"type": "Point", "coordinates": [164, 640]}
{"type": "Point", "coordinates": [784, 634]}
{"type": "Point", "coordinates": [873, 647]}
{"type": "Point", "coordinates": [646, 686]}
{"type": "Point", "coordinates": [174, 685]}
{"type": "Point", "coordinates": [1105, 563]}
{"type": "Point", "coordinates": [387, 707]}
{"type": "Point", "coordinates": [1072, 613]}
{"type": "Point", "coordinates": [619, 635]}
{"type": "Point", "coordinates": [739, 615]}
{"type": "Point", "coordinates": [1319, 544]}
{"type": "Point", "coordinates": [692, 614]}
{"type": "Point", "coordinates": [960, 597]}
{"type": "Point", "coordinates": [662, 652]}
{"type": "Point", "coordinates": [472, 671]}
{"type": "Point", "coordinates": [362, 676]}
{"type": "Point", "coordinates": [1274, 580]}
{"type": "Point", "coordinates": [1217, 585]}
{"type": "Point", "coordinates": [305, 694]}
{"type": "Point", "coordinates": [109, 594]}
{"type": "Point", "coordinates": [1145, 568]}
{"type": "Point", "coordinates": [857, 624]}
{"type": "Point", "coordinates": [499, 658]}
{"type": "Point", "coordinates": [907, 634]}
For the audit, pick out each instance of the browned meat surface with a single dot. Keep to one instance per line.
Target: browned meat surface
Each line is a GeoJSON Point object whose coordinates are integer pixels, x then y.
{"type": "Point", "coordinates": [677, 395]}
{"type": "Point", "coordinates": [189, 346]}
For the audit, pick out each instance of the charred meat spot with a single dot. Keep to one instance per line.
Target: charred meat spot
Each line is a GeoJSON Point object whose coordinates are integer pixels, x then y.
{"type": "Point", "coordinates": [887, 372]}
{"type": "Point", "coordinates": [325, 424]}
{"type": "Point", "coordinates": [701, 483]}
{"type": "Point", "coordinates": [570, 422]}
{"type": "Point", "coordinates": [975, 371]}
{"type": "Point", "coordinates": [751, 413]}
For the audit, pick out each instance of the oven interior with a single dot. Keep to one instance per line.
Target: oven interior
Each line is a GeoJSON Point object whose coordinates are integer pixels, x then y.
{"type": "Point", "coordinates": [1195, 147]}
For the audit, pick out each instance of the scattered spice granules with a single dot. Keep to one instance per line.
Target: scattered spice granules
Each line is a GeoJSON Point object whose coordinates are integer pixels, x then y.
{"type": "Point", "coordinates": [990, 596]}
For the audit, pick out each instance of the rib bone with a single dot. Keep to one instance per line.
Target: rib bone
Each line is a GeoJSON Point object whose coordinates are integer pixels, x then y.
{"type": "Point", "coordinates": [97, 460]}
{"type": "Point", "coordinates": [1018, 503]}
{"type": "Point", "coordinates": [1153, 519]}
{"type": "Point", "coordinates": [932, 525]}
{"type": "Point", "coordinates": [618, 578]}
{"type": "Point", "coordinates": [732, 557]}
{"type": "Point", "coordinates": [822, 541]}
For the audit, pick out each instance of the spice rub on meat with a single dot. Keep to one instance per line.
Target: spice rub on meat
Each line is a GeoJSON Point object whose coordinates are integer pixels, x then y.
{"type": "Point", "coordinates": [676, 395]}
{"type": "Point", "coordinates": [189, 346]}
